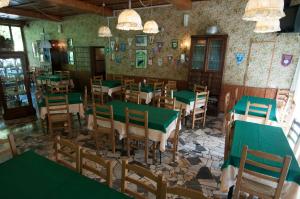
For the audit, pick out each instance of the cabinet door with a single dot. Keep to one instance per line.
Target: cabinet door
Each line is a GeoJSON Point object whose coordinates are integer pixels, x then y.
{"type": "Point", "coordinates": [215, 53]}
{"type": "Point", "coordinates": [198, 54]}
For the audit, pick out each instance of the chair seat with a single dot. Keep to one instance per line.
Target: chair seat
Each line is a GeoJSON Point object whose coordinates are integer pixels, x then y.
{"type": "Point", "coordinates": [59, 117]}
{"type": "Point", "coordinates": [253, 187]}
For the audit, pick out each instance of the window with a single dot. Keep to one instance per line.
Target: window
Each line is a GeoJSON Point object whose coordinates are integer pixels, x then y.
{"type": "Point", "coordinates": [17, 38]}
{"type": "Point", "coordinates": [11, 38]}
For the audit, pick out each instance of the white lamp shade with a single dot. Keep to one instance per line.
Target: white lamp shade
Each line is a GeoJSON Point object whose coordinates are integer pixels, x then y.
{"type": "Point", "coordinates": [129, 19]}
{"type": "Point", "coordinates": [267, 26]}
{"type": "Point", "coordinates": [151, 27]}
{"type": "Point", "coordinates": [4, 3]}
{"type": "Point", "coordinates": [104, 31]}
{"type": "Point", "coordinates": [45, 44]}
{"type": "Point", "coordinates": [260, 10]}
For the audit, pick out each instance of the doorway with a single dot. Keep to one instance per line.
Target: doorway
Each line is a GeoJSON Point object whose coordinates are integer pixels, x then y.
{"type": "Point", "coordinates": [98, 61]}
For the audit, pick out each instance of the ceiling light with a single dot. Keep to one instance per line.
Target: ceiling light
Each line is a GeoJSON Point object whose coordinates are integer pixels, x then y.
{"type": "Point", "coordinates": [104, 31]}
{"type": "Point", "coordinates": [151, 27]}
{"type": "Point", "coordinates": [267, 26]}
{"type": "Point", "coordinates": [4, 3]}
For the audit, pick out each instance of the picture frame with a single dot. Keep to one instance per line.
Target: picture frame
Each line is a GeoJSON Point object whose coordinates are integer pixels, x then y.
{"type": "Point", "coordinates": [174, 43]}
{"type": "Point", "coordinates": [141, 40]}
{"type": "Point", "coordinates": [141, 58]}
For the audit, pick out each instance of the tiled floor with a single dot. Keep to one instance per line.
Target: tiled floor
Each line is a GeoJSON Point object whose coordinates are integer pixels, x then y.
{"type": "Point", "coordinates": [198, 162]}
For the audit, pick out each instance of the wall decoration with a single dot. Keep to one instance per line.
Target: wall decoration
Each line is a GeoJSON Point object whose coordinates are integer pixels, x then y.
{"type": "Point", "coordinates": [113, 56]}
{"type": "Point", "coordinates": [174, 43]}
{"type": "Point", "coordinates": [107, 50]}
{"type": "Point", "coordinates": [130, 41]}
{"type": "Point", "coordinates": [239, 58]}
{"type": "Point", "coordinates": [35, 49]}
{"type": "Point", "coordinates": [141, 40]}
{"type": "Point", "coordinates": [159, 61]}
{"type": "Point", "coordinates": [70, 43]}
{"type": "Point", "coordinates": [150, 61]}
{"type": "Point", "coordinates": [112, 45]}
{"type": "Point", "coordinates": [141, 59]}
{"type": "Point", "coordinates": [118, 59]}
{"type": "Point", "coordinates": [182, 58]}
{"type": "Point", "coordinates": [151, 39]}
{"type": "Point", "coordinates": [170, 59]}
{"type": "Point", "coordinates": [122, 46]}
{"type": "Point", "coordinates": [286, 60]}
{"type": "Point", "coordinates": [159, 45]}
{"type": "Point", "coordinates": [155, 50]}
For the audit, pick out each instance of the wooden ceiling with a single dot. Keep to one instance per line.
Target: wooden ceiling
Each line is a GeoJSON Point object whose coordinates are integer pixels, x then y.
{"type": "Point", "coordinates": [56, 10]}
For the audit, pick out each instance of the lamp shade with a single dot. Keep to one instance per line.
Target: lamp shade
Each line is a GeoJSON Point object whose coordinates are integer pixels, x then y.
{"type": "Point", "coordinates": [45, 44]}
{"type": "Point", "coordinates": [151, 27]}
{"type": "Point", "coordinates": [129, 19]}
{"type": "Point", "coordinates": [104, 31]}
{"type": "Point", "coordinates": [267, 26]}
{"type": "Point", "coordinates": [4, 3]}
{"type": "Point", "coordinates": [260, 10]}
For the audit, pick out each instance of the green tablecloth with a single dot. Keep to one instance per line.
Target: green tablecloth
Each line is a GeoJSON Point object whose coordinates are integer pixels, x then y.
{"type": "Point", "coordinates": [264, 138]}
{"type": "Point", "coordinates": [241, 106]}
{"type": "Point", "coordinates": [158, 118]}
{"type": "Point", "coordinates": [54, 78]}
{"type": "Point", "coordinates": [74, 98]}
{"type": "Point", "coordinates": [31, 176]}
{"type": "Point", "coordinates": [146, 88]}
{"type": "Point", "coordinates": [111, 83]}
{"type": "Point", "coordinates": [184, 96]}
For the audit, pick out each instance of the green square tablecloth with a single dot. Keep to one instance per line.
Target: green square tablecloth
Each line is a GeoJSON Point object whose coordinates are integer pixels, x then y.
{"type": "Point", "coordinates": [31, 176]}
{"type": "Point", "coordinates": [241, 106]}
{"type": "Point", "coordinates": [146, 88]}
{"type": "Point", "coordinates": [54, 78]}
{"type": "Point", "coordinates": [74, 98]}
{"type": "Point", "coordinates": [111, 83]}
{"type": "Point", "coordinates": [184, 96]}
{"type": "Point", "coordinates": [264, 138]}
{"type": "Point", "coordinates": [158, 118]}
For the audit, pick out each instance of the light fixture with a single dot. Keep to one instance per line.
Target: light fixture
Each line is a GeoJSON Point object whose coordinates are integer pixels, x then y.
{"type": "Point", "coordinates": [151, 26]}
{"type": "Point", "coordinates": [104, 31]}
{"type": "Point", "coordinates": [267, 26]}
{"type": "Point", "coordinates": [260, 10]}
{"type": "Point", "coordinates": [129, 19]}
{"type": "Point", "coordinates": [4, 3]}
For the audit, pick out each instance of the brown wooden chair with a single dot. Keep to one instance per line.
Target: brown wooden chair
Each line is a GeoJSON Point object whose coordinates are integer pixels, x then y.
{"type": "Point", "coordinates": [97, 77]}
{"type": "Point", "coordinates": [103, 125]}
{"type": "Point", "coordinates": [143, 172]}
{"type": "Point", "coordinates": [66, 76]}
{"type": "Point", "coordinates": [137, 119]}
{"type": "Point", "coordinates": [166, 102]}
{"type": "Point", "coordinates": [174, 137]}
{"type": "Point", "coordinates": [282, 99]}
{"type": "Point", "coordinates": [61, 89]}
{"type": "Point", "coordinates": [262, 111]}
{"type": "Point", "coordinates": [125, 88]}
{"type": "Point", "coordinates": [67, 153]}
{"type": "Point", "coordinates": [226, 108]}
{"type": "Point", "coordinates": [181, 192]}
{"type": "Point", "coordinates": [96, 90]}
{"type": "Point", "coordinates": [91, 163]}
{"type": "Point", "coordinates": [236, 95]}
{"type": "Point", "coordinates": [229, 129]}
{"type": "Point", "coordinates": [171, 85]}
{"type": "Point", "coordinates": [199, 88]}
{"type": "Point", "coordinates": [133, 96]}
{"type": "Point", "coordinates": [200, 108]}
{"type": "Point", "coordinates": [11, 148]}
{"type": "Point", "coordinates": [158, 89]}
{"type": "Point", "coordinates": [254, 188]}
{"type": "Point", "coordinates": [58, 113]}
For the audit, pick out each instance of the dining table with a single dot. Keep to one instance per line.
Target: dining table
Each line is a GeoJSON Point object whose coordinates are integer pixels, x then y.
{"type": "Point", "coordinates": [32, 176]}
{"type": "Point", "coordinates": [265, 138]}
{"type": "Point", "coordinates": [146, 92]}
{"type": "Point", "coordinates": [239, 110]}
{"type": "Point", "coordinates": [186, 99]}
{"type": "Point", "coordinates": [54, 80]}
{"type": "Point", "coordinates": [109, 87]}
{"type": "Point", "coordinates": [161, 121]}
{"type": "Point", "coordinates": [75, 104]}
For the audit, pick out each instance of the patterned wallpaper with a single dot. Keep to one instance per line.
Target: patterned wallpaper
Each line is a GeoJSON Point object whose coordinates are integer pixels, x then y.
{"type": "Point", "coordinates": [226, 14]}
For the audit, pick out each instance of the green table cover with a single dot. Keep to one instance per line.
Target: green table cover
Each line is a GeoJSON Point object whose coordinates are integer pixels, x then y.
{"type": "Point", "coordinates": [158, 118]}
{"type": "Point", "coordinates": [146, 88]}
{"type": "Point", "coordinates": [241, 106]}
{"type": "Point", "coordinates": [264, 138]}
{"type": "Point", "coordinates": [55, 78]}
{"type": "Point", "coordinates": [184, 96]}
{"type": "Point", "coordinates": [31, 176]}
{"type": "Point", "coordinates": [111, 83]}
{"type": "Point", "coordinates": [74, 98]}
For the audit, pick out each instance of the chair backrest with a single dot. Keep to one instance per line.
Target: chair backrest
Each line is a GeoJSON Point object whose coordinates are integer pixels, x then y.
{"type": "Point", "coordinates": [91, 163]}
{"type": "Point", "coordinates": [201, 100]}
{"type": "Point", "coordinates": [135, 87]}
{"type": "Point", "coordinates": [166, 102]}
{"type": "Point", "coordinates": [261, 110]}
{"type": "Point", "coordinates": [172, 85]}
{"type": "Point", "coordinates": [143, 172]}
{"type": "Point", "coordinates": [59, 88]}
{"type": "Point", "coordinates": [118, 77]}
{"type": "Point", "coordinates": [127, 82]}
{"type": "Point", "coordinates": [282, 97]}
{"type": "Point", "coordinates": [133, 96]}
{"type": "Point", "coordinates": [236, 95]}
{"type": "Point", "coordinates": [67, 153]}
{"type": "Point", "coordinates": [199, 88]}
{"type": "Point", "coordinates": [158, 87]}
{"type": "Point", "coordinates": [57, 104]}
{"type": "Point", "coordinates": [12, 149]}
{"type": "Point", "coordinates": [226, 103]}
{"type": "Point", "coordinates": [181, 192]}
{"type": "Point", "coordinates": [228, 130]}
{"type": "Point", "coordinates": [137, 119]}
{"type": "Point", "coordinates": [96, 90]}
{"type": "Point", "coordinates": [101, 114]}
{"type": "Point", "coordinates": [98, 77]}
{"type": "Point", "coordinates": [280, 171]}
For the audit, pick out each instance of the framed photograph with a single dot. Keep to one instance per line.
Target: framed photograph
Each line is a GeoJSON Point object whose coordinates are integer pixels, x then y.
{"type": "Point", "coordinates": [174, 43]}
{"type": "Point", "coordinates": [141, 58]}
{"type": "Point", "coordinates": [141, 40]}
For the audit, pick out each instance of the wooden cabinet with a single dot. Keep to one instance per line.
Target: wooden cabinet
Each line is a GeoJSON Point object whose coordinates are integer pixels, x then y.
{"type": "Point", "coordinates": [206, 65]}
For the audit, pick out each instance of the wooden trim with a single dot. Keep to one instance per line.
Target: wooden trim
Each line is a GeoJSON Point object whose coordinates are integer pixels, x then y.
{"type": "Point", "coordinates": [181, 4]}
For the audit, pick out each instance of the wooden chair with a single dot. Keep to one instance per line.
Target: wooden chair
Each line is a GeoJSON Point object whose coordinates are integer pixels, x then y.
{"type": "Point", "coordinates": [174, 137]}
{"type": "Point", "coordinates": [141, 171]}
{"type": "Point", "coordinates": [96, 90]}
{"type": "Point", "coordinates": [200, 108]}
{"type": "Point", "coordinates": [158, 89]}
{"type": "Point", "coordinates": [58, 113]}
{"type": "Point", "coordinates": [126, 84]}
{"type": "Point", "coordinates": [12, 149]}
{"type": "Point", "coordinates": [62, 89]}
{"type": "Point", "coordinates": [199, 88]}
{"type": "Point", "coordinates": [67, 153]}
{"type": "Point", "coordinates": [139, 120]}
{"type": "Point", "coordinates": [166, 102]}
{"type": "Point", "coordinates": [133, 96]}
{"type": "Point", "coordinates": [282, 99]}
{"type": "Point", "coordinates": [91, 163]}
{"type": "Point", "coordinates": [171, 85]}
{"type": "Point", "coordinates": [103, 116]}
{"type": "Point", "coordinates": [228, 130]}
{"type": "Point", "coordinates": [262, 111]}
{"type": "Point", "coordinates": [226, 107]}
{"type": "Point", "coordinates": [181, 192]}
{"type": "Point", "coordinates": [98, 77]}
{"type": "Point", "coordinates": [255, 188]}
{"type": "Point", "coordinates": [236, 95]}
{"type": "Point", "coordinates": [151, 80]}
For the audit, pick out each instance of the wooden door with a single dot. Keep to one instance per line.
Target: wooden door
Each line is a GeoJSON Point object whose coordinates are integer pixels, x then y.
{"type": "Point", "coordinates": [98, 61]}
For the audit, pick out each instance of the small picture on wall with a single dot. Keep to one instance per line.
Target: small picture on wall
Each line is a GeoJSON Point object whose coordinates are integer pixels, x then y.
{"type": "Point", "coordinates": [141, 59]}
{"type": "Point", "coordinates": [141, 40]}
{"type": "Point", "coordinates": [174, 43]}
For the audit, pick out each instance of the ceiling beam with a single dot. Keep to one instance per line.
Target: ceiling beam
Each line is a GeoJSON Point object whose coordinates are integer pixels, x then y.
{"type": "Point", "coordinates": [182, 4]}
{"type": "Point", "coordinates": [83, 6]}
{"type": "Point", "coordinates": [30, 13]}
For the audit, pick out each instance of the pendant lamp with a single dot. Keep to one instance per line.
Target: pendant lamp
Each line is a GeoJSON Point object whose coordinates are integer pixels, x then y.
{"type": "Point", "coordinates": [104, 31]}
{"type": "Point", "coordinates": [151, 27]}
{"type": "Point", "coordinates": [267, 26]}
{"type": "Point", "coordinates": [4, 3]}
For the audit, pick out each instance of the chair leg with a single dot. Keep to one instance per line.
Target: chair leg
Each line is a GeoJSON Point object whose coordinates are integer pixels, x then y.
{"type": "Point", "coordinates": [204, 119]}
{"type": "Point", "coordinates": [146, 151]}
{"type": "Point", "coordinates": [78, 117]}
{"type": "Point", "coordinates": [128, 146]}
{"type": "Point", "coordinates": [193, 121]}
{"type": "Point", "coordinates": [113, 143]}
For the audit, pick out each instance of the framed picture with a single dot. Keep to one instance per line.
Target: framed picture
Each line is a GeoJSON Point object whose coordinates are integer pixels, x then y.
{"type": "Point", "coordinates": [141, 40]}
{"type": "Point", "coordinates": [141, 58]}
{"type": "Point", "coordinates": [174, 43]}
